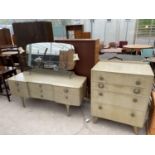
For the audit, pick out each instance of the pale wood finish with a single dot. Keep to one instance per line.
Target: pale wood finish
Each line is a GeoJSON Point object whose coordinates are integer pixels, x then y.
{"type": "Point", "coordinates": [120, 91]}
{"type": "Point", "coordinates": [54, 86]}
{"type": "Point", "coordinates": [137, 46]}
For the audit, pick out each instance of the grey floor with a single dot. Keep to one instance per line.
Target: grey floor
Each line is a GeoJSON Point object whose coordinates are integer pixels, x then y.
{"type": "Point", "coordinates": [46, 117]}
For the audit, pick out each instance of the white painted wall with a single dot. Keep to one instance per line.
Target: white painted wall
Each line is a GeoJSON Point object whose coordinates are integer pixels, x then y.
{"type": "Point", "coordinates": [111, 31]}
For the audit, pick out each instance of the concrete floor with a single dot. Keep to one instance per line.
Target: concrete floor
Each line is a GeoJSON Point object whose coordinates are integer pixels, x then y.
{"type": "Point", "coordinates": [46, 117]}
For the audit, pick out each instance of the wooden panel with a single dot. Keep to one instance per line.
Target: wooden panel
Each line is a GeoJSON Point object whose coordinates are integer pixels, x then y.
{"type": "Point", "coordinates": [32, 32]}
{"type": "Point", "coordinates": [126, 101]}
{"type": "Point", "coordinates": [115, 113]}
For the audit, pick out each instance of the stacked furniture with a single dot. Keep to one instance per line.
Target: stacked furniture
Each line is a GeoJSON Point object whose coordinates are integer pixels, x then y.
{"type": "Point", "coordinates": [68, 89]}
{"type": "Point", "coordinates": [120, 91]}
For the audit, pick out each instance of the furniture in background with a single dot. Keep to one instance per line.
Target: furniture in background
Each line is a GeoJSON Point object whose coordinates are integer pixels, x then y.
{"type": "Point", "coordinates": [5, 73]}
{"type": "Point", "coordinates": [120, 91]}
{"type": "Point", "coordinates": [32, 32]}
{"type": "Point", "coordinates": [151, 121]}
{"type": "Point", "coordinates": [122, 43]}
{"type": "Point", "coordinates": [88, 53]}
{"type": "Point", "coordinates": [121, 57]}
{"type": "Point", "coordinates": [136, 48]}
{"type": "Point", "coordinates": [5, 38]}
{"type": "Point", "coordinates": [14, 57]}
{"type": "Point", "coordinates": [73, 29]}
{"type": "Point", "coordinates": [49, 85]}
{"type": "Point", "coordinates": [147, 53]}
{"type": "Point", "coordinates": [82, 35]}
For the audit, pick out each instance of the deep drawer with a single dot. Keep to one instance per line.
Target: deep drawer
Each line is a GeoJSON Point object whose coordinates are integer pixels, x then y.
{"type": "Point", "coordinates": [123, 79]}
{"type": "Point", "coordinates": [121, 89]}
{"type": "Point", "coordinates": [122, 100]}
{"type": "Point", "coordinates": [115, 113]}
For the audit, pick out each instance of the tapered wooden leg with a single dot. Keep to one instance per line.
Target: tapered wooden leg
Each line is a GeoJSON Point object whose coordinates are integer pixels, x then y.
{"type": "Point", "coordinates": [95, 119]}
{"type": "Point", "coordinates": [23, 101]}
{"type": "Point", "coordinates": [136, 130]}
{"type": "Point", "coordinates": [67, 108]}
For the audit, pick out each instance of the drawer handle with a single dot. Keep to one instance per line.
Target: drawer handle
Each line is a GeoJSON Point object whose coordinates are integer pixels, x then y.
{"type": "Point", "coordinates": [101, 85]}
{"type": "Point", "coordinates": [132, 115]}
{"type": "Point", "coordinates": [66, 90]}
{"type": "Point", "coordinates": [18, 90]}
{"type": "Point", "coordinates": [66, 97]}
{"type": "Point", "coordinates": [100, 107]}
{"type": "Point", "coordinates": [101, 78]}
{"type": "Point", "coordinates": [41, 96]}
{"type": "Point", "coordinates": [138, 82]}
{"type": "Point", "coordinates": [135, 100]}
{"type": "Point", "coordinates": [100, 94]}
{"type": "Point", "coordinates": [136, 91]}
{"type": "Point", "coordinates": [17, 84]}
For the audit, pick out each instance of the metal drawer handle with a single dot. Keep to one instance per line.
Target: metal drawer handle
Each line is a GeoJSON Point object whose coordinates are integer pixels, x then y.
{"type": "Point", "coordinates": [66, 90]}
{"type": "Point", "coordinates": [101, 78]}
{"type": "Point", "coordinates": [132, 115]}
{"type": "Point", "coordinates": [100, 107]}
{"type": "Point", "coordinates": [138, 82]}
{"type": "Point", "coordinates": [100, 94]}
{"type": "Point", "coordinates": [136, 91]}
{"type": "Point", "coordinates": [101, 85]}
{"type": "Point", "coordinates": [135, 100]}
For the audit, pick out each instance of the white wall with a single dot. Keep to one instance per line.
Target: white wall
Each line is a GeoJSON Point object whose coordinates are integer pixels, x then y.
{"type": "Point", "coordinates": [115, 30]}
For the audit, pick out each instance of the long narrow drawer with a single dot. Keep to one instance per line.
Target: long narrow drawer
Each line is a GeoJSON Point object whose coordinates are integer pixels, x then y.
{"type": "Point", "coordinates": [41, 91]}
{"type": "Point", "coordinates": [18, 88]}
{"type": "Point", "coordinates": [122, 100]}
{"type": "Point", "coordinates": [67, 95]}
{"type": "Point", "coordinates": [122, 89]}
{"type": "Point", "coordinates": [124, 79]}
{"type": "Point", "coordinates": [115, 113]}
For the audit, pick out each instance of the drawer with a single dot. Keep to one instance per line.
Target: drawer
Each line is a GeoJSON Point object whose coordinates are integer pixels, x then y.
{"type": "Point", "coordinates": [18, 88]}
{"type": "Point", "coordinates": [128, 80]}
{"type": "Point", "coordinates": [122, 100]}
{"type": "Point", "coordinates": [121, 89]}
{"type": "Point", "coordinates": [115, 113]}
{"type": "Point", "coordinates": [71, 96]}
{"type": "Point", "coordinates": [42, 91]}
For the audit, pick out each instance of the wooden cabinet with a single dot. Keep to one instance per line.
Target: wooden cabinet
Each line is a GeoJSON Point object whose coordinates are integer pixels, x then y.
{"type": "Point", "coordinates": [120, 91]}
{"type": "Point", "coordinates": [53, 86]}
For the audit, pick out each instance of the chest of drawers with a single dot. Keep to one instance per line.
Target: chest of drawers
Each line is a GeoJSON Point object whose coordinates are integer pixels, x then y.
{"type": "Point", "coordinates": [53, 86]}
{"type": "Point", "coordinates": [120, 91]}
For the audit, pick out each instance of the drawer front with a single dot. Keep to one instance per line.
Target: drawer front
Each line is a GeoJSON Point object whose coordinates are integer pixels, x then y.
{"type": "Point", "coordinates": [121, 89]}
{"type": "Point", "coordinates": [115, 113]}
{"type": "Point", "coordinates": [123, 79]}
{"type": "Point", "coordinates": [69, 96]}
{"type": "Point", "coordinates": [41, 91]}
{"type": "Point", "coordinates": [18, 88]}
{"type": "Point", "coordinates": [122, 100]}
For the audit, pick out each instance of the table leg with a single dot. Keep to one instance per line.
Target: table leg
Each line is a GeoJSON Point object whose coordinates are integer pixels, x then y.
{"type": "Point", "coordinates": [23, 101]}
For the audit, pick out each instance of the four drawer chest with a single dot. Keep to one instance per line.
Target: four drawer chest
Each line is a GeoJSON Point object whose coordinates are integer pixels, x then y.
{"type": "Point", "coordinates": [120, 91]}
